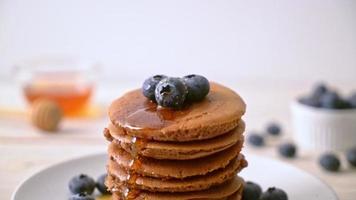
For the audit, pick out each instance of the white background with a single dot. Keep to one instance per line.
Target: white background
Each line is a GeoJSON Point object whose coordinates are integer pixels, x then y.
{"type": "Point", "coordinates": [283, 40]}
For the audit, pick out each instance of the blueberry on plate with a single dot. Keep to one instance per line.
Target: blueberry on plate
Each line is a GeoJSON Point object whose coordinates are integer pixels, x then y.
{"type": "Point", "coordinates": [287, 150]}
{"type": "Point", "coordinates": [351, 156]}
{"type": "Point", "coordinates": [273, 129]}
{"type": "Point", "coordinates": [329, 162]}
{"type": "Point", "coordinates": [100, 184]}
{"type": "Point", "coordinates": [255, 139]}
{"type": "Point", "coordinates": [82, 184]}
{"type": "Point", "coordinates": [149, 86]}
{"type": "Point", "coordinates": [252, 191]}
{"type": "Point", "coordinates": [352, 100]}
{"type": "Point", "coordinates": [198, 87]}
{"type": "Point", "coordinates": [171, 92]}
{"type": "Point", "coordinates": [81, 196]}
{"type": "Point", "coordinates": [274, 193]}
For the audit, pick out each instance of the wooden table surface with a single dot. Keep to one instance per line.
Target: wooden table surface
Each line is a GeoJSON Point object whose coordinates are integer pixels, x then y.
{"type": "Point", "coordinates": [24, 150]}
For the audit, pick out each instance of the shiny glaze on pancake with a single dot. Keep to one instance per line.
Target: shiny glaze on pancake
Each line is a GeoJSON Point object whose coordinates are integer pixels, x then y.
{"type": "Point", "coordinates": [217, 114]}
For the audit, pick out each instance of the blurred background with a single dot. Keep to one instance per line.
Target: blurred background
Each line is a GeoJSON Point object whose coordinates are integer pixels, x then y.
{"type": "Point", "coordinates": [86, 53]}
{"type": "Point", "coordinates": [225, 40]}
{"type": "Point", "coordinates": [254, 43]}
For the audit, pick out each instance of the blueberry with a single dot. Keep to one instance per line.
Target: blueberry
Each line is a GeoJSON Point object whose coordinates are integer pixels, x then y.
{"type": "Point", "coordinates": [314, 98]}
{"type": "Point", "coordinates": [273, 193]}
{"type": "Point", "coordinates": [310, 101]}
{"type": "Point", "coordinates": [100, 184]}
{"type": "Point", "coordinates": [82, 184]}
{"type": "Point", "coordinates": [319, 90]}
{"type": "Point", "coordinates": [256, 139]}
{"type": "Point", "coordinates": [149, 86]}
{"type": "Point", "coordinates": [351, 156]}
{"type": "Point", "coordinates": [81, 196]}
{"type": "Point", "coordinates": [251, 191]}
{"type": "Point", "coordinates": [198, 87]}
{"type": "Point", "coordinates": [329, 162]}
{"type": "Point", "coordinates": [352, 100]}
{"type": "Point", "coordinates": [287, 150]}
{"type": "Point", "coordinates": [273, 129]}
{"type": "Point", "coordinates": [171, 92]}
{"type": "Point", "coordinates": [332, 100]}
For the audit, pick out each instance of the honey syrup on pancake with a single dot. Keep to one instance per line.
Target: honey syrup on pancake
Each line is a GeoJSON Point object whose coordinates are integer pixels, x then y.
{"type": "Point", "coordinates": [135, 163]}
{"type": "Point", "coordinates": [149, 115]}
{"type": "Point", "coordinates": [130, 194]}
{"type": "Point", "coordinates": [137, 145]}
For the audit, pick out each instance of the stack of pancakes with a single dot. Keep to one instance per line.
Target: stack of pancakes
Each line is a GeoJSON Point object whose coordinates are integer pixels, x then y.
{"type": "Point", "coordinates": [192, 153]}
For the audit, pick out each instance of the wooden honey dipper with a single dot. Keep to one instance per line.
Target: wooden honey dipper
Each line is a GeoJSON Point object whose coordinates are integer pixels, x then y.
{"type": "Point", "coordinates": [46, 115]}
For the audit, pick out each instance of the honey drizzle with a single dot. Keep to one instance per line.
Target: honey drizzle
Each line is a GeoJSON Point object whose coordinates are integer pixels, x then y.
{"type": "Point", "coordinates": [137, 145]}
{"type": "Point", "coordinates": [144, 115]}
{"type": "Point", "coordinates": [150, 116]}
{"type": "Point", "coordinates": [130, 194]}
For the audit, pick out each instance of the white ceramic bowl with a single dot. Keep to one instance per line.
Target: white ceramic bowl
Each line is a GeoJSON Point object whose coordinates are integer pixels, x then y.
{"type": "Point", "coordinates": [323, 129]}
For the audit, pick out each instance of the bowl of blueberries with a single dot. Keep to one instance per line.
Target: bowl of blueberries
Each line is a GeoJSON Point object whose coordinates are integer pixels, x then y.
{"type": "Point", "coordinates": [324, 120]}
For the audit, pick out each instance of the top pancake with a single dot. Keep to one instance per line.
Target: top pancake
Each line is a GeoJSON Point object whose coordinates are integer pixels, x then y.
{"type": "Point", "coordinates": [217, 114]}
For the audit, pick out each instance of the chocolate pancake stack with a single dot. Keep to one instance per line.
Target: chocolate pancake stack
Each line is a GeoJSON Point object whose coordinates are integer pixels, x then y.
{"type": "Point", "coordinates": [191, 153]}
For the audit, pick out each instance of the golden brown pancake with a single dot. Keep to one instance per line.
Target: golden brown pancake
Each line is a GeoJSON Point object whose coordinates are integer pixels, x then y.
{"type": "Point", "coordinates": [166, 154]}
{"type": "Point", "coordinates": [176, 185]}
{"type": "Point", "coordinates": [237, 195]}
{"type": "Point", "coordinates": [176, 150]}
{"type": "Point", "coordinates": [231, 190]}
{"type": "Point", "coordinates": [173, 168]}
{"type": "Point", "coordinates": [217, 114]}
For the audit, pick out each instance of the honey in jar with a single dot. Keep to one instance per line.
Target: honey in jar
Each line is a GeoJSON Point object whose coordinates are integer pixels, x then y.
{"type": "Point", "coordinates": [68, 89]}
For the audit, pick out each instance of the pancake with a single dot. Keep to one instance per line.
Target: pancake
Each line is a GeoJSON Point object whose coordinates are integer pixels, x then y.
{"type": "Point", "coordinates": [231, 190]}
{"type": "Point", "coordinates": [217, 114]}
{"type": "Point", "coordinates": [173, 168]}
{"type": "Point", "coordinates": [166, 154]}
{"type": "Point", "coordinates": [175, 150]}
{"type": "Point", "coordinates": [174, 196]}
{"type": "Point", "coordinates": [197, 183]}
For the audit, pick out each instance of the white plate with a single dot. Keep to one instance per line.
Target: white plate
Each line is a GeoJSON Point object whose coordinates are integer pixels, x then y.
{"type": "Point", "coordinates": [51, 183]}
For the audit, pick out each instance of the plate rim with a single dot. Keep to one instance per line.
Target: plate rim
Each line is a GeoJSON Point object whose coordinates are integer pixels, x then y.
{"type": "Point", "coordinates": [103, 153]}
{"type": "Point", "coordinates": [49, 167]}
{"type": "Point", "coordinates": [298, 169]}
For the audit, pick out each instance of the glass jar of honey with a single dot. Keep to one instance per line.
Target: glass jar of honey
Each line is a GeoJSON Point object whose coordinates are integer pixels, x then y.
{"type": "Point", "coordinates": [67, 81]}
